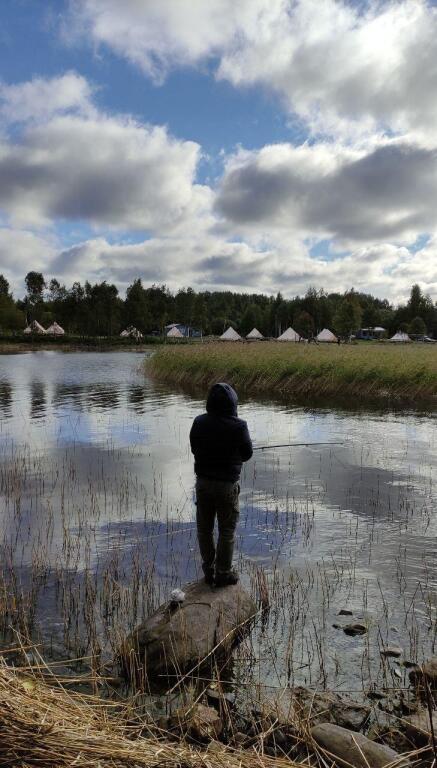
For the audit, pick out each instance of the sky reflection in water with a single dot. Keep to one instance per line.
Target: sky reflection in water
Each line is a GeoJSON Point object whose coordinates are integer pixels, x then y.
{"type": "Point", "coordinates": [358, 517]}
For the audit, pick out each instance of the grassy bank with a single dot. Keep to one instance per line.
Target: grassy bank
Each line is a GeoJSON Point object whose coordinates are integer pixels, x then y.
{"type": "Point", "coordinates": [362, 370]}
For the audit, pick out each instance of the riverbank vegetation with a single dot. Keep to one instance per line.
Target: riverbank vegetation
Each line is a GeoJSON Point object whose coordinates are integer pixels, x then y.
{"type": "Point", "coordinates": [45, 722]}
{"type": "Point", "coordinates": [99, 310]}
{"type": "Point", "coordinates": [358, 370]}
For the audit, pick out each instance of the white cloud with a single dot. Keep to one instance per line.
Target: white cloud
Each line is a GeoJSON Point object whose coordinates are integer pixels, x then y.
{"type": "Point", "coordinates": [340, 67]}
{"type": "Point", "coordinates": [209, 262]}
{"type": "Point", "coordinates": [22, 251]}
{"type": "Point", "coordinates": [107, 171]}
{"type": "Point", "coordinates": [386, 193]}
{"type": "Point", "coordinates": [40, 99]}
{"type": "Point", "coordinates": [158, 35]}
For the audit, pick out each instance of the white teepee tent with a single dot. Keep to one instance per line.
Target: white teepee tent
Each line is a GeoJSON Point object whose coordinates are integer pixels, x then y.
{"type": "Point", "coordinates": [174, 333]}
{"type": "Point", "coordinates": [400, 336]}
{"type": "Point", "coordinates": [34, 327]}
{"type": "Point", "coordinates": [254, 334]}
{"type": "Point", "coordinates": [230, 335]}
{"type": "Point", "coordinates": [132, 333]}
{"type": "Point", "coordinates": [326, 335]}
{"type": "Point", "coordinates": [289, 335]}
{"type": "Point", "coordinates": [55, 329]}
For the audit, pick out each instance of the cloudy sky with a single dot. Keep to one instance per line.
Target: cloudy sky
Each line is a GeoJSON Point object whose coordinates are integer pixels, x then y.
{"type": "Point", "coordinates": [257, 145]}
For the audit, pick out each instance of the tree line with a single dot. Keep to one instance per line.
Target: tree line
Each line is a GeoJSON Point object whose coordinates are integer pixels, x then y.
{"type": "Point", "coordinates": [98, 310]}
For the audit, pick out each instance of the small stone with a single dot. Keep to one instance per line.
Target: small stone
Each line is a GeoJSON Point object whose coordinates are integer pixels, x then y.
{"type": "Point", "coordinates": [418, 727]}
{"type": "Point", "coordinates": [239, 739]}
{"type": "Point", "coordinates": [391, 651]}
{"type": "Point", "coordinates": [345, 612]}
{"type": "Point", "coordinates": [317, 707]}
{"type": "Point", "coordinates": [352, 749]}
{"type": "Point", "coordinates": [198, 721]}
{"type": "Point", "coordinates": [427, 671]}
{"type": "Point", "coordinates": [215, 696]}
{"type": "Point", "coordinates": [397, 672]}
{"type": "Point", "coordinates": [355, 629]}
{"type": "Point", "coordinates": [376, 695]}
{"type": "Point", "coordinates": [408, 664]}
{"type": "Point", "coordinates": [409, 707]}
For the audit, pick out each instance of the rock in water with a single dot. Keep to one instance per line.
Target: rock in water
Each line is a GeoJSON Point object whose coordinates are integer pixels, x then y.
{"type": "Point", "coordinates": [173, 640]}
{"type": "Point", "coordinates": [355, 629]}
{"type": "Point", "coordinates": [428, 672]}
{"type": "Point", "coordinates": [418, 727]}
{"type": "Point", "coordinates": [391, 651]}
{"type": "Point", "coordinates": [352, 749]}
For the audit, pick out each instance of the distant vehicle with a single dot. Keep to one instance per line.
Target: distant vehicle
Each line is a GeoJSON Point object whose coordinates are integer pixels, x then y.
{"type": "Point", "coordinates": [184, 330]}
{"type": "Point", "coordinates": [370, 334]}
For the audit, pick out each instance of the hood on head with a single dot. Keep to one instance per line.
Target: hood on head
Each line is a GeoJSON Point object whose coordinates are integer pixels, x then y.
{"type": "Point", "coordinates": [222, 400]}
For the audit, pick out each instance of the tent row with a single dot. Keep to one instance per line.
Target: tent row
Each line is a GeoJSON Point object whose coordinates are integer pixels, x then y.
{"type": "Point", "coordinates": [288, 335]}
{"type": "Point", "coordinates": [53, 330]}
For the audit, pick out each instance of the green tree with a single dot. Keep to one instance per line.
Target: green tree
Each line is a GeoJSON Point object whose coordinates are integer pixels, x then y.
{"type": "Point", "coordinates": [200, 313]}
{"type": "Point", "coordinates": [11, 318]}
{"type": "Point", "coordinates": [103, 309]}
{"type": "Point", "coordinates": [303, 323]}
{"type": "Point", "coordinates": [136, 308]}
{"type": "Point", "coordinates": [57, 292]}
{"type": "Point", "coordinates": [35, 285]}
{"type": "Point", "coordinates": [4, 286]}
{"type": "Point", "coordinates": [252, 318]}
{"type": "Point", "coordinates": [415, 302]}
{"type": "Point", "coordinates": [348, 316]}
{"type": "Point", "coordinates": [417, 327]}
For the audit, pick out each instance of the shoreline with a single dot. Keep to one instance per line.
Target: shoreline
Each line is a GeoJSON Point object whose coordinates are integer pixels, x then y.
{"type": "Point", "coordinates": [12, 348]}
{"type": "Point", "coordinates": [375, 374]}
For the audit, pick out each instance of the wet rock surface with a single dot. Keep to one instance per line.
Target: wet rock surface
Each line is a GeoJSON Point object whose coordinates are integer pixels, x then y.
{"type": "Point", "coordinates": [352, 749]}
{"type": "Point", "coordinates": [175, 639]}
{"type": "Point", "coordinates": [329, 707]}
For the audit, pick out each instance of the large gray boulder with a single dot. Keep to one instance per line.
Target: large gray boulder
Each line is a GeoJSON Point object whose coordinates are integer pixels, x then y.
{"type": "Point", "coordinates": [175, 639]}
{"type": "Point", "coordinates": [348, 748]}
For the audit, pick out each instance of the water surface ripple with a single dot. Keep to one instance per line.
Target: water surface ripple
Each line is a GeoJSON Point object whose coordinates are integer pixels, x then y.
{"type": "Point", "coordinates": [97, 519]}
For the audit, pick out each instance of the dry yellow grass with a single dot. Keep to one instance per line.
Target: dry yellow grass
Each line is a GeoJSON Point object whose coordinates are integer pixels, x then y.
{"type": "Point", "coordinates": [45, 726]}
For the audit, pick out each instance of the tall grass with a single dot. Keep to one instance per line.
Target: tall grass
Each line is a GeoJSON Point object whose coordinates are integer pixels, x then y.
{"type": "Point", "coordinates": [372, 370]}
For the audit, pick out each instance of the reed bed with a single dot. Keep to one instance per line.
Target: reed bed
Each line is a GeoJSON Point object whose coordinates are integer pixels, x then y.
{"type": "Point", "coordinates": [43, 725]}
{"type": "Point", "coordinates": [372, 370]}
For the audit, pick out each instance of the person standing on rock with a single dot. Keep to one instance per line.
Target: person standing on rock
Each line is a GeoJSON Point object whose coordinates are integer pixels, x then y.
{"type": "Point", "coordinates": [220, 442]}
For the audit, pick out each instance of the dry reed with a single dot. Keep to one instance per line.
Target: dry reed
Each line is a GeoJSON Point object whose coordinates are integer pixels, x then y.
{"type": "Point", "coordinates": [47, 726]}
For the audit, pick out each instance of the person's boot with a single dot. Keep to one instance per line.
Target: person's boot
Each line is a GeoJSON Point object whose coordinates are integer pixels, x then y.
{"type": "Point", "coordinates": [209, 576]}
{"type": "Point", "coordinates": [226, 579]}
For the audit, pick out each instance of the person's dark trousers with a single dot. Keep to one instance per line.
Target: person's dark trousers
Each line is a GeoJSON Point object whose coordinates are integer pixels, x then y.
{"type": "Point", "coordinates": [216, 498]}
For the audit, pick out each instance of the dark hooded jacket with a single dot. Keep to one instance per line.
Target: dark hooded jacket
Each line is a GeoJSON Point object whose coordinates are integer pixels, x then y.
{"type": "Point", "coordinates": [220, 440]}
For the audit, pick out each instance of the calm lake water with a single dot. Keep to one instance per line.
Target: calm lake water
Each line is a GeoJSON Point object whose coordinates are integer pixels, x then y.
{"type": "Point", "coordinates": [97, 520]}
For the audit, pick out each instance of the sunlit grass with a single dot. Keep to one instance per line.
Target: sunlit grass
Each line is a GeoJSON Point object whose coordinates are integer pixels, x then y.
{"type": "Point", "coordinates": [370, 370]}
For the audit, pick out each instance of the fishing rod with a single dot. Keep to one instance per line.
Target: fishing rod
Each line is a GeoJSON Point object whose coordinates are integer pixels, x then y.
{"type": "Point", "coordinates": [289, 445]}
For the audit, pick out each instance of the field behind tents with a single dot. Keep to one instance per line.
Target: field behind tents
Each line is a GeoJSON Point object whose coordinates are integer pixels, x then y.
{"type": "Point", "coordinates": [364, 370]}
